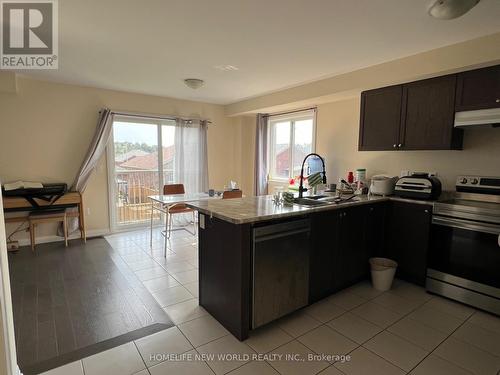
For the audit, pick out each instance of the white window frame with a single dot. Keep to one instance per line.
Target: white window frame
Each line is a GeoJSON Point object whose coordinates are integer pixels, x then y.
{"type": "Point", "coordinates": [292, 118]}
{"type": "Point", "coordinates": [110, 156]}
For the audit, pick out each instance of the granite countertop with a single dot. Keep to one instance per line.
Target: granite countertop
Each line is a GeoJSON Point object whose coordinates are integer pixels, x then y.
{"type": "Point", "coordinates": [256, 209]}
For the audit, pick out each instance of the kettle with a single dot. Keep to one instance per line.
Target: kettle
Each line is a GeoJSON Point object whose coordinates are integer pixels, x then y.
{"type": "Point", "coordinates": [382, 185]}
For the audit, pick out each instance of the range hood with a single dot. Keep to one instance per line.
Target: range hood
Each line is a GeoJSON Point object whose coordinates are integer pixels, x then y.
{"type": "Point", "coordinates": [479, 118]}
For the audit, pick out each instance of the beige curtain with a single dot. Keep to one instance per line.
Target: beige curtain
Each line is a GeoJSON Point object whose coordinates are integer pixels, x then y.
{"type": "Point", "coordinates": [96, 149]}
{"type": "Point", "coordinates": [191, 155]}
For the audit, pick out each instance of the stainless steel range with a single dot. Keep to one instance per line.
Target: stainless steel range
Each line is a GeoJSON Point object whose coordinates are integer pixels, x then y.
{"type": "Point", "coordinates": [464, 255]}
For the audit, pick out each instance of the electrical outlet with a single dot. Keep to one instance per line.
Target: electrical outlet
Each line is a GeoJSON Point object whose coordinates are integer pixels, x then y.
{"type": "Point", "coordinates": [13, 245]}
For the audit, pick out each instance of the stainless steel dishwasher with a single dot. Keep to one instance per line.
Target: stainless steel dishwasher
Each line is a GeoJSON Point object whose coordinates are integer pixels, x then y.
{"type": "Point", "coordinates": [280, 270]}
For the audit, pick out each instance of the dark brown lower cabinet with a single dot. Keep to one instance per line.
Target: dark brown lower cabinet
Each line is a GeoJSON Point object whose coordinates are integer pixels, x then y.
{"type": "Point", "coordinates": [312, 261]}
{"type": "Point", "coordinates": [354, 251]}
{"type": "Point", "coordinates": [225, 272]}
{"type": "Point", "coordinates": [375, 223]}
{"type": "Point", "coordinates": [407, 234]}
{"type": "Point", "coordinates": [341, 248]}
{"type": "Point", "coordinates": [324, 254]}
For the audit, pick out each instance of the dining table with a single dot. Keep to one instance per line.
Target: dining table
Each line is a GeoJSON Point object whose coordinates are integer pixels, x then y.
{"type": "Point", "coordinates": [164, 202]}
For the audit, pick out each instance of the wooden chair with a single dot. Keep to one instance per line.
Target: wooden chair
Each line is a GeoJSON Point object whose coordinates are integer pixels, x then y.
{"type": "Point", "coordinates": [47, 217]}
{"type": "Point", "coordinates": [179, 208]}
{"type": "Point", "coordinates": [230, 194]}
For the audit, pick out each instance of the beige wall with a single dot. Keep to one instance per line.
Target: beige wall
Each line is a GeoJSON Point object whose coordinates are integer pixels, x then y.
{"type": "Point", "coordinates": [337, 132]}
{"type": "Point", "coordinates": [337, 140]}
{"type": "Point", "coordinates": [45, 129]}
{"type": "Point", "coordinates": [8, 82]}
{"type": "Point", "coordinates": [337, 99]}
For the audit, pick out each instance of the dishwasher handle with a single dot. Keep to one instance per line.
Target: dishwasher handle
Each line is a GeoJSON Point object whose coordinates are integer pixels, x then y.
{"type": "Point", "coordinates": [280, 235]}
{"type": "Point", "coordinates": [273, 231]}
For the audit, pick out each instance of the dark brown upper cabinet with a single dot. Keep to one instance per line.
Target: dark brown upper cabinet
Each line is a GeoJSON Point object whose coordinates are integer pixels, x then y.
{"type": "Point", "coordinates": [478, 89]}
{"type": "Point", "coordinates": [414, 116]}
{"type": "Point", "coordinates": [380, 120]}
{"type": "Point", "coordinates": [428, 115]}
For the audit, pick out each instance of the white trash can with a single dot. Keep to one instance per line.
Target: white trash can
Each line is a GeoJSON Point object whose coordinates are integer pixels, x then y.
{"type": "Point", "coordinates": [383, 271]}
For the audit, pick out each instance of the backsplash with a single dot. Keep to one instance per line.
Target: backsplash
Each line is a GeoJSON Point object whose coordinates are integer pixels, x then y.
{"type": "Point", "coordinates": [337, 141]}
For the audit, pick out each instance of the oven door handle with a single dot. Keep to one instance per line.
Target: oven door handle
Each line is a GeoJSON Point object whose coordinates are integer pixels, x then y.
{"type": "Point", "coordinates": [467, 225]}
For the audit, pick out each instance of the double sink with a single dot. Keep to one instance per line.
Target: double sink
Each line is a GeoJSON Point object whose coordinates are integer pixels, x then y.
{"type": "Point", "coordinates": [323, 200]}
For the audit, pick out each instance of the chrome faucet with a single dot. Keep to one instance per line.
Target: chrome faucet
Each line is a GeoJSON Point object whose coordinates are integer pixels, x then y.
{"type": "Point", "coordinates": [301, 186]}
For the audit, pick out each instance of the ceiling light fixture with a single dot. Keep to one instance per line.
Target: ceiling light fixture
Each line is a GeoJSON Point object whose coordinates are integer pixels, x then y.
{"type": "Point", "coordinates": [194, 83]}
{"type": "Point", "coordinates": [450, 9]}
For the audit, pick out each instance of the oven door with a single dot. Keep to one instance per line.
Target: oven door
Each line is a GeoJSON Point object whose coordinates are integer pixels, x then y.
{"type": "Point", "coordinates": [466, 249]}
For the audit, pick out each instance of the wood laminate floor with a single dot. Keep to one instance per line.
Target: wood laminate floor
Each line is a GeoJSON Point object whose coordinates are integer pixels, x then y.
{"type": "Point", "coordinates": [72, 302]}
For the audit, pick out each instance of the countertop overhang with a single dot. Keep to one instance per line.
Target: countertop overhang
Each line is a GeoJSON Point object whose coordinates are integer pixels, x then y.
{"type": "Point", "coordinates": [256, 209]}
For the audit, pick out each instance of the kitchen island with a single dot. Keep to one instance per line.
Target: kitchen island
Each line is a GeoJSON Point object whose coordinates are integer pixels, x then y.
{"type": "Point", "coordinates": [259, 261]}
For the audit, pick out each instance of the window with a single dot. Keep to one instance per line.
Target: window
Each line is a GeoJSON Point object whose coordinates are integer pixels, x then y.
{"type": "Point", "coordinates": [291, 138]}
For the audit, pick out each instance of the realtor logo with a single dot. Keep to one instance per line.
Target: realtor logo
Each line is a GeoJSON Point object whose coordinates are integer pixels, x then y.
{"type": "Point", "coordinates": [29, 34]}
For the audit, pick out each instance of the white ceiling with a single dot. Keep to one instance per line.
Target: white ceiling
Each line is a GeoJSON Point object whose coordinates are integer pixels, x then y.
{"type": "Point", "coordinates": [150, 46]}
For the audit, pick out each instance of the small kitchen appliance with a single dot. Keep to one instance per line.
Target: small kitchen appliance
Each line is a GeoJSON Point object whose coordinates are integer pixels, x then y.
{"type": "Point", "coordinates": [418, 186]}
{"type": "Point", "coordinates": [464, 252]}
{"type": "Point", "coordinates": [382, 185]}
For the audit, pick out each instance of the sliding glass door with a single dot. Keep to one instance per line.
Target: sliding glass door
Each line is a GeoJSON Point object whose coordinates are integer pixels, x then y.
{"type": "Point", "coordinates": [142, 160]}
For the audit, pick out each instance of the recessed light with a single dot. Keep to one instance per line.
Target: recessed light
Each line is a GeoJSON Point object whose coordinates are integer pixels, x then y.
{"type": "Point", "coordinates": [194, 83]}
{"type": "Point", "coordinates": [226, 68]}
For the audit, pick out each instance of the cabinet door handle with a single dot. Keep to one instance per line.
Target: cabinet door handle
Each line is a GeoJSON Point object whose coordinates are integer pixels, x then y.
{"type": "Point", "coordinates": [426, 211]}
{"type": "Point", "coordinates": [497, 101]}
{"type": "Point", "coordinates": [400, 145]}
{"type": "Point", "coordinates": [394, 145]}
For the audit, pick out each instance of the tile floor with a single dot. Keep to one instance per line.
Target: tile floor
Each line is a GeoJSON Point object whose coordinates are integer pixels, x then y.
{"type": "Point", "coordinates": [404, 331]}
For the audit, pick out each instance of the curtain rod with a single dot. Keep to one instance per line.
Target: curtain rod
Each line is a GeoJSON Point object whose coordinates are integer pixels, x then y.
{"type": "Point", "coordinates": [160, 117]}
{"type": "Point", "coordinates": [290, 112]}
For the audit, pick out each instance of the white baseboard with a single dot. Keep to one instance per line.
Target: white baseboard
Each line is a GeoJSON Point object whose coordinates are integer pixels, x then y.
{"type": "Point", "coordinates": [74, 236]}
